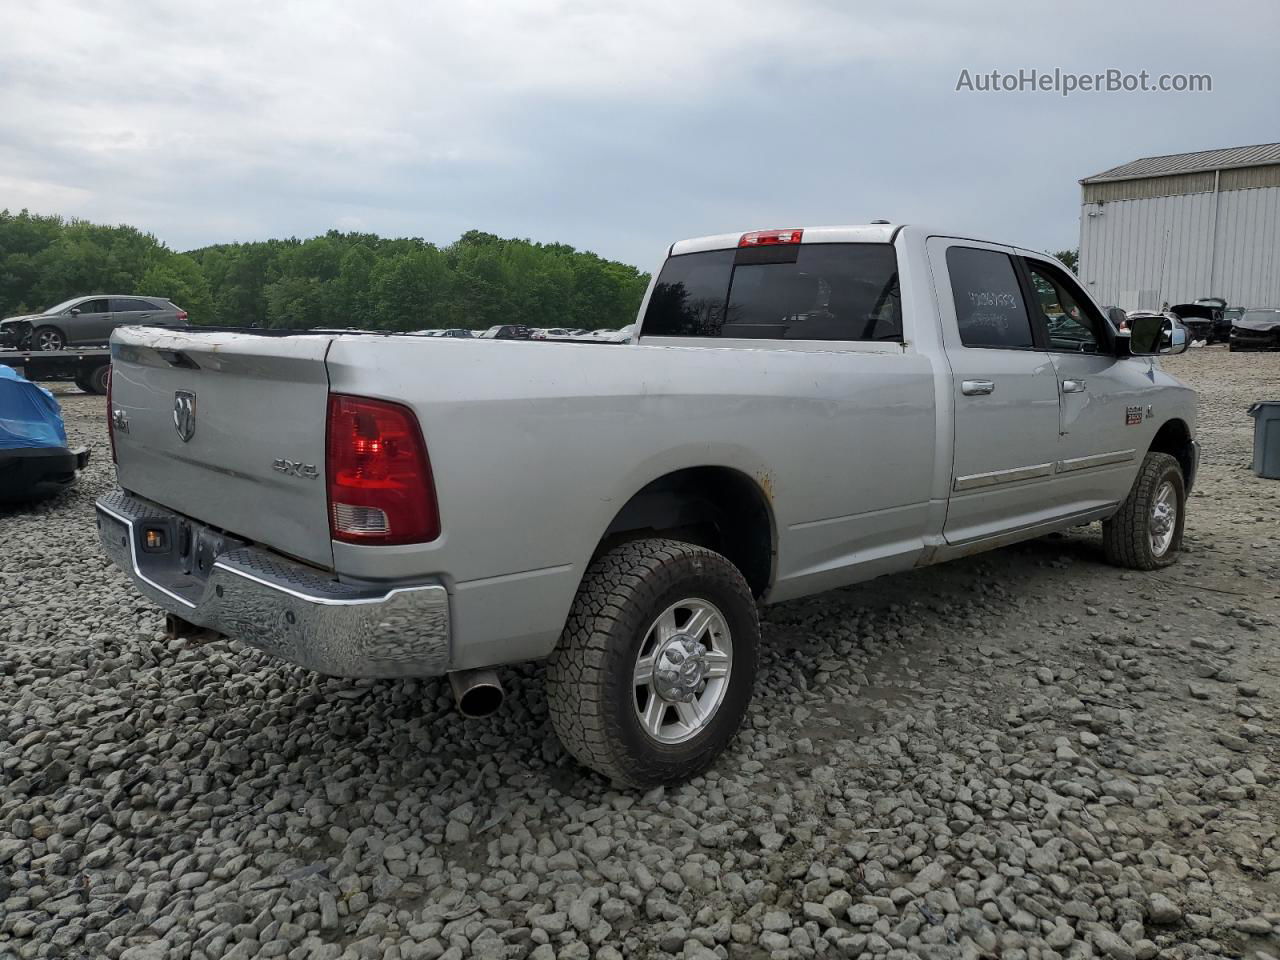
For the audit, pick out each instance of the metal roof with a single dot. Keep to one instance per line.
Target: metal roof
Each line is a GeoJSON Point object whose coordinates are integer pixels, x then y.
{"type": "Point", "coordinates": [1255, 156]}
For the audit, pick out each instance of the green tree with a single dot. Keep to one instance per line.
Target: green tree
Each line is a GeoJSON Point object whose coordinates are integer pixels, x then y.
{"type": "Point", "coordinates": [338, 279]}
{"type": "Point", "coordinates": [179, 278]}
{"type": "Point", "coordinates": [1069, 257]}
{"type": "Point", "coordinates": [412, 291]}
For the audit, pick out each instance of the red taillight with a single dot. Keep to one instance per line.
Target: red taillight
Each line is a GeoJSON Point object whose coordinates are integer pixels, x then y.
{"type": "Point", "coordinates": [380, 485]}
{"type": "Point", "coordinates": [182, 315]}
{"type": "Point", "coordinates": [111, 418]}
{"type": "Point", "coordinates": [769, 238]}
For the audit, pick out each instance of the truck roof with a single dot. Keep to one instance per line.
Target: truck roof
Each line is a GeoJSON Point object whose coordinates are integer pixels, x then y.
{"type": "Point", "coordinates": [882, 232]}
{"type": "Point", "coordinates": [852, 233]}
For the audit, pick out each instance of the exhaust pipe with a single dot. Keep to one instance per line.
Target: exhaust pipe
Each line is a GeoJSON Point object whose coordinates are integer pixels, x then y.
{"type": "Point", "coordinates": [478, 692]}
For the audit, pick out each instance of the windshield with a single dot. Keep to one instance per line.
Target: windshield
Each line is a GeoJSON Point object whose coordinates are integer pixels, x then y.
{"type": "Point", "coordinates": [1262, 316]}
{"type": "Point", "coordinates": [65, 304]}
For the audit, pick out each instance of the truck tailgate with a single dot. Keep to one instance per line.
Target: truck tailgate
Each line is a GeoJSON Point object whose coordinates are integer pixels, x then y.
{"type": "Point", "coordinates": [229, 429]}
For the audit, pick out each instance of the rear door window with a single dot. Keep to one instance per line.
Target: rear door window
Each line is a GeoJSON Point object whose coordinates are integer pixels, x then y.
{"type": "Point", "coordinates": [990, 310]}
{"type": "Point", "coordinates": [819, 291]}
{"type": "Point", "coordinates": [123, 304]}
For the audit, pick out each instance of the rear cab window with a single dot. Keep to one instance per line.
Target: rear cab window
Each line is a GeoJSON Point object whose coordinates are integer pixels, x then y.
{"type": "Point", "coordinates": [803, 291]}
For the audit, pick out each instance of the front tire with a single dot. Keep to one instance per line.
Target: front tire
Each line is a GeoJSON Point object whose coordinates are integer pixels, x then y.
{"type": "Point", "coordinates": [48, 338]}
{"type": "Point", "coordinates": [655, 668]}
{"type": "Point", "coordinates": [1146, 532]}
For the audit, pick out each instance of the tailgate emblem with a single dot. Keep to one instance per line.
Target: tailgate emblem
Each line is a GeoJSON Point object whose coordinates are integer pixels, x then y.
{"type": "Point", "coordinates": [184, 414]}
{"type": "Point", "coordinates": [292, 468]}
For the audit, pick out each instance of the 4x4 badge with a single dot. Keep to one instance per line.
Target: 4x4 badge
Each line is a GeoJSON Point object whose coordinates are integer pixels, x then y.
{"type": "Point", "coordinates": [293, 468]}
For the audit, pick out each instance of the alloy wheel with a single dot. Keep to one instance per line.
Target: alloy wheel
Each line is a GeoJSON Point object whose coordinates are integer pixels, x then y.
{"type": "Point", "coordinates": [682, 671]}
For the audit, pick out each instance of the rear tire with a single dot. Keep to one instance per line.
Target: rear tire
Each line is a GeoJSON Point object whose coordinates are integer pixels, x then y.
{"type": "Point", "coordinates": [48, 338]}
{"type": "Point", "coordinates": [687, 613]}
{"type": "Point", "coordinates": [1146, 532]}
{"type": "Point", "coordinates": [96, 380]}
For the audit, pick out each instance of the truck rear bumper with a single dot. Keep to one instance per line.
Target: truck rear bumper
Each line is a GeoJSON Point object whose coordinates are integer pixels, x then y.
{"type": "Point", "coordinates": [273, 603]}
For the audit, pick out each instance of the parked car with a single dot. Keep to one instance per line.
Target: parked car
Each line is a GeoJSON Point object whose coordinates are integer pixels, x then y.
{"type": "Point", "coordinates": [1232, 314]}
{"type": "Point", "coordinates": [35, 459]}
{"type": "Point", "coordinates": [1257, 330]}
{"type": "Point", "coordinates": [87, 321]}
{"type": "Point", "coordinates": [508, 331]}
{"type": "Point", "coordinates": [1221, 322]}
{"type": "Point", "coordinates": [799, 410]}
{"type": "Point", "coordinates": [1201, 320]}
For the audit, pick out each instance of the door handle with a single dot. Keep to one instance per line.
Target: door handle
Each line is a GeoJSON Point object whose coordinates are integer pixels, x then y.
{"type": "Point", "coordinates": [1073, 386]}
{"type": "Point", "coordinates": [977, 388]}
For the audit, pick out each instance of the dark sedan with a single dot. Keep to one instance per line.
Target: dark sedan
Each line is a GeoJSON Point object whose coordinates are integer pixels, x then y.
{"type": "Point", "coordinates": [1257, 330]}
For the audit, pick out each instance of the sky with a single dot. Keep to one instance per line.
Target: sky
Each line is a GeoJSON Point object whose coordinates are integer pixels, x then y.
{"type": "Point", "coordinates": [612, 126]}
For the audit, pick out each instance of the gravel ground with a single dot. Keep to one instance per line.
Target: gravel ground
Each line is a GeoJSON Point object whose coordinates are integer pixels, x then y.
{"type": "Point", "coordinates": [1024, 754]}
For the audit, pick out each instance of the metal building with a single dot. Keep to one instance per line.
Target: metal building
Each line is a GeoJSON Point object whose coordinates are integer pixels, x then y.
{"type": "Point", "coordinates": [1173, 229]}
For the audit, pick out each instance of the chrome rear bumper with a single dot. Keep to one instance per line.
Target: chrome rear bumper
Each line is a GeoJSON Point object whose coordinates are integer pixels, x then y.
{"type": "Point", "coordinates": [275, 604]}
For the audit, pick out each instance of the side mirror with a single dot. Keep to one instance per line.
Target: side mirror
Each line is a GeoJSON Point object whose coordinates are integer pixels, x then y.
{"type": "Point", "coordinates": [1152, 336]}
{"type": "Point", "coordinates": [75, 311]}
{"type": "Point", "coordinates": [1118, 317]}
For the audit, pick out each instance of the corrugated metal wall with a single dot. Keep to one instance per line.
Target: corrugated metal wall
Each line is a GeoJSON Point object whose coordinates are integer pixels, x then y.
{"type": "Point", "coordinates": [1148, 187]}
{"type": "Point", "coordinates": [1140, 253]}
{"type": "Point", "coordinates": [1247, 258]}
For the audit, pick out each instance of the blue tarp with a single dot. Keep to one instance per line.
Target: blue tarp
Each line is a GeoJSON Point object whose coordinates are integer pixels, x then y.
{"type": "Point", "coordinates": [29, 416]}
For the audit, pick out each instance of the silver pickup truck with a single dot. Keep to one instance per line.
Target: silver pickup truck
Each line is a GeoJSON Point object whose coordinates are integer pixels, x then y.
{"type": "Point", "coordinates": [797, 410]}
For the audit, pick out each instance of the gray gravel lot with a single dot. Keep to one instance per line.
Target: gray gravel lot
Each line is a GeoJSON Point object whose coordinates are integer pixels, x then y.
{"type": "Point", "coordinates": [1024, 754]}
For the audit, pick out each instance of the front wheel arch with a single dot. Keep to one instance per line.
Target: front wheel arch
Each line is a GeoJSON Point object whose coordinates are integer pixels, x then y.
{"type": "Point", "coordinates": [1174, 438]}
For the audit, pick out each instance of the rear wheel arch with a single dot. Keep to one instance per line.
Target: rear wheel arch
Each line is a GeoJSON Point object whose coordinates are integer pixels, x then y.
{"type": "Point", "coordinates": [717, 507]}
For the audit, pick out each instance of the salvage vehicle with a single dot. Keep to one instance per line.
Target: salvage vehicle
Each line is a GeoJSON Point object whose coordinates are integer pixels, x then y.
{"type": "Point", "coordinates": [1221, 320]}
{"type": "Point", "coordinates": [87, 321]}
{"type": "Point", "coordinates": [1257, 330]}
{"type": "Point", "coordinates": [1202, 320]}
{"type": "Point", "coordinates": [795, 410]}
{"type": "Point", "coordinates": [35, 460]}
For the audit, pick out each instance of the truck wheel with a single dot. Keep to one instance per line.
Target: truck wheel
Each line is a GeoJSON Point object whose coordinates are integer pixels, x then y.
{"type": "Point", "coordinates": [96, 380]}
{"type": "Point", "coordinates": [48, 338]}
{"type": "Point", "coordinates": [1146, 533]}
{"type": "Point", "coordinates": [654, 670]}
